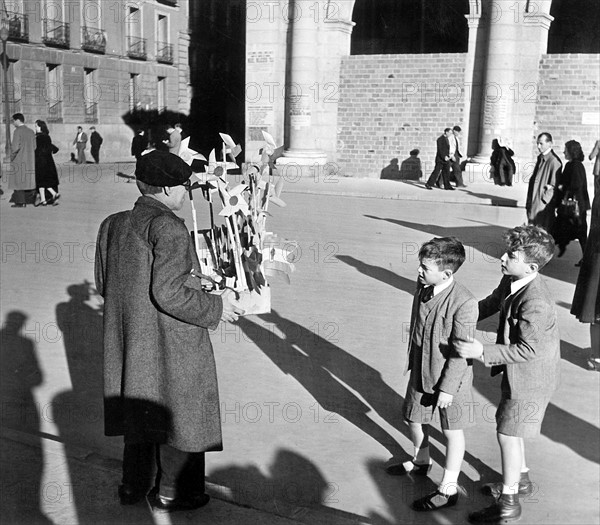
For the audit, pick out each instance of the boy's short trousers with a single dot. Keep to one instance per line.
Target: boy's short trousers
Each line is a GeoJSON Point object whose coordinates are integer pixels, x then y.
{"type": "Point", "coordinates": [419, 408]}
{"type": "Point", "coordinates": [521, 417]}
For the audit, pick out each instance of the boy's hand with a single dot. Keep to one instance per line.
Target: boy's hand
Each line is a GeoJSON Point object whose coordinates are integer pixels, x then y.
{"type": "Point", "coordinates": [472, 349]}
{"type": "Point", "coordinates": [444, 400]}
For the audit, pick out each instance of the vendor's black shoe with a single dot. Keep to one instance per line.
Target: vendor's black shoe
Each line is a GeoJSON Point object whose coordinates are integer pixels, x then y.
{"type": "Point", "coordinates": [129, 495]}
{"type": "Point", "coordinates": [399, 469]}
{"type": "Point", "coordinates": [495, 489]}
{"type": "Point", "coordinates": [428, 186]}
{"type": "Point", "coordinates": [506, 508]}
{"type": "Point", "coordinates": [178, 504]}
{"type": "Point", "coordinates": [18, 205]}
{"type": "Point", "coordinates": [434, 501]}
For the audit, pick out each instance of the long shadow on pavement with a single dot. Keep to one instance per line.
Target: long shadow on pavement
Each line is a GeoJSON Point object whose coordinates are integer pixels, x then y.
{"type": "Point", "coordinates": [22, 467]}
{"type": "Point", "coordinates": [486, 238]}
{"type": "Point", "coordinates": [323, 369]}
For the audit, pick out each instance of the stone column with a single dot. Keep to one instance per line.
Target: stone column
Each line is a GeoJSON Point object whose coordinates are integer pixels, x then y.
{"type": "Point", "coordinates": [516, 42]}
{"type": "Point", "coordinates": [302, 151]}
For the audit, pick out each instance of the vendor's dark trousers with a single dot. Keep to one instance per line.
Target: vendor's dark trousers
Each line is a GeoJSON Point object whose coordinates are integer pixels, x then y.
{"type": "Point", "coordinates": [178, 474]}
{"type": "Point", "coordinates": [441, 168]}
{"type": "Point", "coordinates": [19, 197]}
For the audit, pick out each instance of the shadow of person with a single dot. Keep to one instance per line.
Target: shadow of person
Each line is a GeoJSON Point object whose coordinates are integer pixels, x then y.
{"type": "Point", "coordinates": [22, 465]}
{"type": "Point", "coordinates": [78, 412]}
{"type": "Point", "coordinates": [381, 274]}
{"type": "Point", "coordinates": [291, 487]}
{"type": "Point", "coordinates": [322, 369]}
{"type": "Point", "coordinates": [391, 171]}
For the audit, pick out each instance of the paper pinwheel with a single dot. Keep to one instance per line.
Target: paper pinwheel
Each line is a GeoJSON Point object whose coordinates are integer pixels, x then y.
{"type": "Point", "coordinates": [233, 200]}
{"type": "Point", "coordinates": [189, 155]}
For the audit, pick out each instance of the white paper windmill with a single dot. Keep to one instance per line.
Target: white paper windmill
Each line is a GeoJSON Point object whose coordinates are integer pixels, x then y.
{"type": "Point", "coordinates": [187, 154]}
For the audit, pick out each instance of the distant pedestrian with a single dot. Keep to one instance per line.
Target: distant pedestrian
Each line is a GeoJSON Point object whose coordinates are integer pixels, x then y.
{"type": "Point", "coordinates": [443, 313]}
{"type": "Point", "coordinates": [572, 183]}
{"type": "Point", "coordinates": [501, 162]}
{"type": "Point", "coordinates": [586, 300]}
{"type": "Point", "coordinates": [595, 156]}
{"type": "Point", "coordinates": [80, 143]}
{"type": "Point", "coordinates": [174, 140]}
{"type": "Point", "coordinates": [541, 204]}
{"type": "Point", "coordinates": [21, 177]}
{"type": "Point", "coordinates": [95, 143]}
{"type": "Point", "coordinates": [46, 176]}
{"type": "Point", "coordinates": [139, 143]}
{"type": "Point", "coordinates": [442, 162]}
{"type": "Point", "coordinates": [455, 156]}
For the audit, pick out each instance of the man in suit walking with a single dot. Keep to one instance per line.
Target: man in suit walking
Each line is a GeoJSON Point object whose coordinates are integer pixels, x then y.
{"type": "Point", "coordinates": [95, 141]}
{"type": "Point", "coordinates": [455, 156]}
{"type": "Point", "coordinates": [80, 144]}
{"type": "Point", "coordinates": [442, 162]}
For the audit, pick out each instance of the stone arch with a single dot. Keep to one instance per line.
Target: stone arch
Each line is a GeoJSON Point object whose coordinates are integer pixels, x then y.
{"type": "Point", "coordinates": [576, 27]}
{"type": "Point", "coordinates": [388, 26]}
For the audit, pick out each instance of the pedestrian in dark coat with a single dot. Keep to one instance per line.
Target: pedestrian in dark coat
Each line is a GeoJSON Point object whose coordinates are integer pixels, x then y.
{"type": "Point", "coordinates": [139, 143]}
{"type": "Point", "coordinates": [21, 177]}
{"type": "Point", "coordinates": [95, 141]}
{"type": "Point", "coordinates": [46, 176]}
{"type": "Point", "coordinates": [160, 382]}
{"type": "Point", "coordinates": [572, 183]}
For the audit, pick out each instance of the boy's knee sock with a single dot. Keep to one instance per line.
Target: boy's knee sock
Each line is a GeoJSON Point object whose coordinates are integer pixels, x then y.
{"type": "Point", "coordinates": [449, 483]}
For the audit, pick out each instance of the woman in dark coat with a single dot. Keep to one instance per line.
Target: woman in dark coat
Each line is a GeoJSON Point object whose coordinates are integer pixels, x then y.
{"type": "Point", "coordinates": [46, 177]}
{"type": "Point", "coordinates": [503, 165]}
{"type": "Point", "coordinates": [586, 301]}
{"type": "Point", "coordinates": [572, 183]}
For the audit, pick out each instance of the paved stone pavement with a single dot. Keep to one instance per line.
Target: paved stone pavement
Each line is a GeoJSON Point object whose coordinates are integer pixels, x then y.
{"type": "Point", "coordinates": [310, 393]}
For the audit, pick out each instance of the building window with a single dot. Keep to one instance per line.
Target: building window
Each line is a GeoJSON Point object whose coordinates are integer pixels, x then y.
{"type": "Point", "coordinates": [93, 37]}
{"type": "Point", "coordinates": [136, 45]}
{"type": "Point", "coordinates": [91, 95]}
{"type": "Point", "coordinates": [54, 92]}
{"type": "Point", "coordinates": [162, 94]}
{"type": "Point", "coordinates": [134, 94]}
{"type": "Point", "coordinates": [576, 27]}
{"type": "Point", "coordinates": [164, 50]}
{"type": "Point", "coordinates": [18, 23]}
{"type": "Point", "coordinates": [55, 30]}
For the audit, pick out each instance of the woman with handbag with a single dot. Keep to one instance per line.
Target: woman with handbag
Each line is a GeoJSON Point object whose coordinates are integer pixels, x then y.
{"type": "Point", "coordinates": [572, 200]}
{"type": "Point", "coordinates": [46, 177]}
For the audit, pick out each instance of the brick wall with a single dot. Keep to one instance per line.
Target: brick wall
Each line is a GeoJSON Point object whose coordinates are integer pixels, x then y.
{"type": "Point", "coordinates": [568, 89]}
{"type": "Point", "coordinates": [390, 104]}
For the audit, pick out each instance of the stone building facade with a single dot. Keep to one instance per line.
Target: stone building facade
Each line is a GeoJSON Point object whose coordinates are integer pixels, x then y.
{"type": "Point", "coordinates": [92, 62]}
{"type": "Point", "coordinates": [332, 103]}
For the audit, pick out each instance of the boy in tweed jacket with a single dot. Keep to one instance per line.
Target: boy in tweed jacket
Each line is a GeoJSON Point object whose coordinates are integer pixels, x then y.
{"type": "Point", "coordinates": [443, 312]}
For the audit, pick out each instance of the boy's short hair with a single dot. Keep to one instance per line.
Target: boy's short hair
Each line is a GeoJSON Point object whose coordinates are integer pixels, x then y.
{"type": "Point", "coordinates": [447, 252]}
{"type": "Point", "coordinates": [535, 242]}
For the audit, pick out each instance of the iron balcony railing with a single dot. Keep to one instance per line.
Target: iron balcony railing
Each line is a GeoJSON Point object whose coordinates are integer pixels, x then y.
{"type": "Point", "coordinates": [164, 52]}
{"type": "Point", "coordinates": [56, 33]}
{"type": "Point", "coordinates": [168, 2]}
{"type": "Point", "coordinates": [55, 112]}
{"type": "Point", "coordinates": [136, 47]}
{"type": "Point", "coordinates": [18, 26]}
{"type": "Point", "coordinates": [93, 40]}
{"type": "Point", "coordinates": [91, 113]}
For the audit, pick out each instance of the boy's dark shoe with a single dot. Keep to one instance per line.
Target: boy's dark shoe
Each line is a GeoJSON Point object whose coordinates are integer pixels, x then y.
{"type": "Point", "coordinates": [189, 503]}
{"type": "Point", "coordinates": [434, 501]}
{"type": "Point", "coordinates": [129, 495]}
{"type": "Point", "coordinates": [505, 508]}
{"type": "Point", "coordinates": [495, 489]}
{"type": "Point", "coordinates": [399, 469]}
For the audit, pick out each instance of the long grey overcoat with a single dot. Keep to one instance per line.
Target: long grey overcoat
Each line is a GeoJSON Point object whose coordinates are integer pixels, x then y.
{"type": "Point", "coordinates": [160, 381]}
{"type": "Point", "coordinates": [22, 172]}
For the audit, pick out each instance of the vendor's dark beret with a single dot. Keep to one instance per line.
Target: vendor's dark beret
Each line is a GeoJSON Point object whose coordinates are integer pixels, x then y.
{"type": "Point", "coordinates": [161, 168]}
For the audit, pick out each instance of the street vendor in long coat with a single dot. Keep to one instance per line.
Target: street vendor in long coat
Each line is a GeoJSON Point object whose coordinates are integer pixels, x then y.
{"type": "Point", "coordinates": [541, 201]}
{"type": "Point", "coordinates": [160, 382]}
